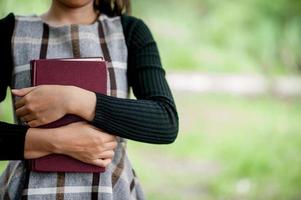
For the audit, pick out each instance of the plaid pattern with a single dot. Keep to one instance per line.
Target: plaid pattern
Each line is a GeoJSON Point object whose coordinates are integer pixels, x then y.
{"type": "Point", "coordinates": [34, 39]}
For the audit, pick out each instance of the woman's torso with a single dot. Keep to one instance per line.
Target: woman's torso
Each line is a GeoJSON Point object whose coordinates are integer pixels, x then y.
{"type": "Point", "coordinates": [34, 39]}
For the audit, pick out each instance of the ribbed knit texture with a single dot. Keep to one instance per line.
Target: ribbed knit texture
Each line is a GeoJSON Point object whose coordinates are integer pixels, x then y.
{"type": "Point", "coordinates": [5, 53]}
{"type": "Point", "coordinates": [152, 118]}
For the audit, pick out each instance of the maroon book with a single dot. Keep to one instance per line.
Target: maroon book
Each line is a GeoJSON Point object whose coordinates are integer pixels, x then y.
{"type": "Point", "coordinates": [86, 73]}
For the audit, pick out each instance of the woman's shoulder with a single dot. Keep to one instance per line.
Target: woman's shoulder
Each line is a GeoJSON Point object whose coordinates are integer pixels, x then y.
{"type": "Point", "coordinates": [131, 22]}
{"type": "Point", "coordinates": [11, 19]}
{"type": "Point", "coordinates": [7, 17]}
{"type": "Point", "coordinates": [8, 20]}
{"type": "Point", "coordinates": [7, 25]}
{"type": "Point", "coordinates": [135, 28]}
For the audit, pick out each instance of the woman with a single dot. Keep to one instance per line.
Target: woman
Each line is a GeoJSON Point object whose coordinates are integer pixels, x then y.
{"type": "Point", "coordinates": [82, 28]}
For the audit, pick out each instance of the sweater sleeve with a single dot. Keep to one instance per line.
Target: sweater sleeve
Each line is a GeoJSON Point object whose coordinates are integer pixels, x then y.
{"type": "Point", "coordinates": [152, 117]}
{"type": "Point", "coordinates": [12, 137]}
{"type": "Point", "coordinates": [6, 27]}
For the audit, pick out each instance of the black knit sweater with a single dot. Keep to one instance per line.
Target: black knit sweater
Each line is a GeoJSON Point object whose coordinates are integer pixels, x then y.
{"type": "Point", "coordinates": [152, 118]}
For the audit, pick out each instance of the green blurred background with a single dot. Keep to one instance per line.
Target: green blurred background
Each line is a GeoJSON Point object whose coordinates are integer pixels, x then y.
{"type": "Point", "coordinates": [229, 146]}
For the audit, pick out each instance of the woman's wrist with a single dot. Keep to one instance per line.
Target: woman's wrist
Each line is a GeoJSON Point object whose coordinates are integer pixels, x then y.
{"type": "Point", "coordinates": [40, 142]}
{"type": "Point", "coordinates": [82, 103]}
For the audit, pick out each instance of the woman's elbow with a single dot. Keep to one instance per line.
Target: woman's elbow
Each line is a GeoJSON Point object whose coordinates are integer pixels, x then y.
{"type": "Point", "coordinates": [174, 127]}
{"type": "Point", "coordinates": [172, 134]}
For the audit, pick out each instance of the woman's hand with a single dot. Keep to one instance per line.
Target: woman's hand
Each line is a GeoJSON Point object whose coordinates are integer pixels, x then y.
{"type": "Point", "coordinates": [47, 103]}
{"type": "Point", "coordinates": [78, 140]}
{"type": "Point", "coordinates": [41, 104]}
{"type": "Point", "coordinates": [86, 143]}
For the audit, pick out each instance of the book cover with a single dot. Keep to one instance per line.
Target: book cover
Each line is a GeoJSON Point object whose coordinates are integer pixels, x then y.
{"type": "Point", "coordinates": [86, 73]}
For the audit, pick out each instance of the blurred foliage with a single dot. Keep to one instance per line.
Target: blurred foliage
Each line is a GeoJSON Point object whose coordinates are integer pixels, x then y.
{"type": "Point", "coordinates": [23, 7]}
{"type": "Point", "coordinates": [226, 36]}
{"type": "Point", "coordinates": [229, 147]}
{"type": "Point", "coordinates": [249, 36]}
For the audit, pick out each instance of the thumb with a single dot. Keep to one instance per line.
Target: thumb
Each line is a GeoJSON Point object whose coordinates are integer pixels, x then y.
{"type": "Point", "coordinates": [22, 92]}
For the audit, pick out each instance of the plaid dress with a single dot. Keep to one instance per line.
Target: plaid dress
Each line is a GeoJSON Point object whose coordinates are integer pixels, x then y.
{"type": "Point", "coordinates": [35, 39]}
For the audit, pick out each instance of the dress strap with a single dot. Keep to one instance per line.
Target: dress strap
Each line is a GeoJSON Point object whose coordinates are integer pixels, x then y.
{"type": "Point", "coordinates": [107, 57]}
{"type": "Point", "coordinates": [44, 44]}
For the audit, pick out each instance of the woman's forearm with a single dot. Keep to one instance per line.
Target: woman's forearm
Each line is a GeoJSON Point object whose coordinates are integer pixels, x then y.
{"type": "Point", "coordinates": [79, 140]}
{"type": "Point", "coordinates": [82, 103]}
{"type": "Point", "coordinates": [12, 139]}
{"type": "Point", "coordinates": [154, 120]}
{"type": "Point", "coordinates": [40, 142]}
{"type": "Point", "coordinates": [151, 121]}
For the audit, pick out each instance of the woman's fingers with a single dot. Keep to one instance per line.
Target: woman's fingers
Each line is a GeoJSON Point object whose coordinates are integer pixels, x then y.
{"type": "Point", "coordinates": [108, 138]}
{"type": "Point", "coordinates": [20, 103]}
{"type": "Point", "coordinates": [101, 162]}
{"type": "Point", "coordinates": [22, 92]}
{"type": "Point", "coordinates": [82, 141]}
{"type": "Point", "coordinates": [22, 111]}
{"type": "Point", "coordinates": [107, 154]}
{"type": "Point", "coordinates": [28, 118]}
{"type": "Point", "coordinates": [34, 123]}
{"type": "Point", "coordinates": [110, 145]}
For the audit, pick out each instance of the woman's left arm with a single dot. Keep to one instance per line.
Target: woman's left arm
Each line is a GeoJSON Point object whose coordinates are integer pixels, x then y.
{"type": "Point", "coordinates": [152, 118]}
